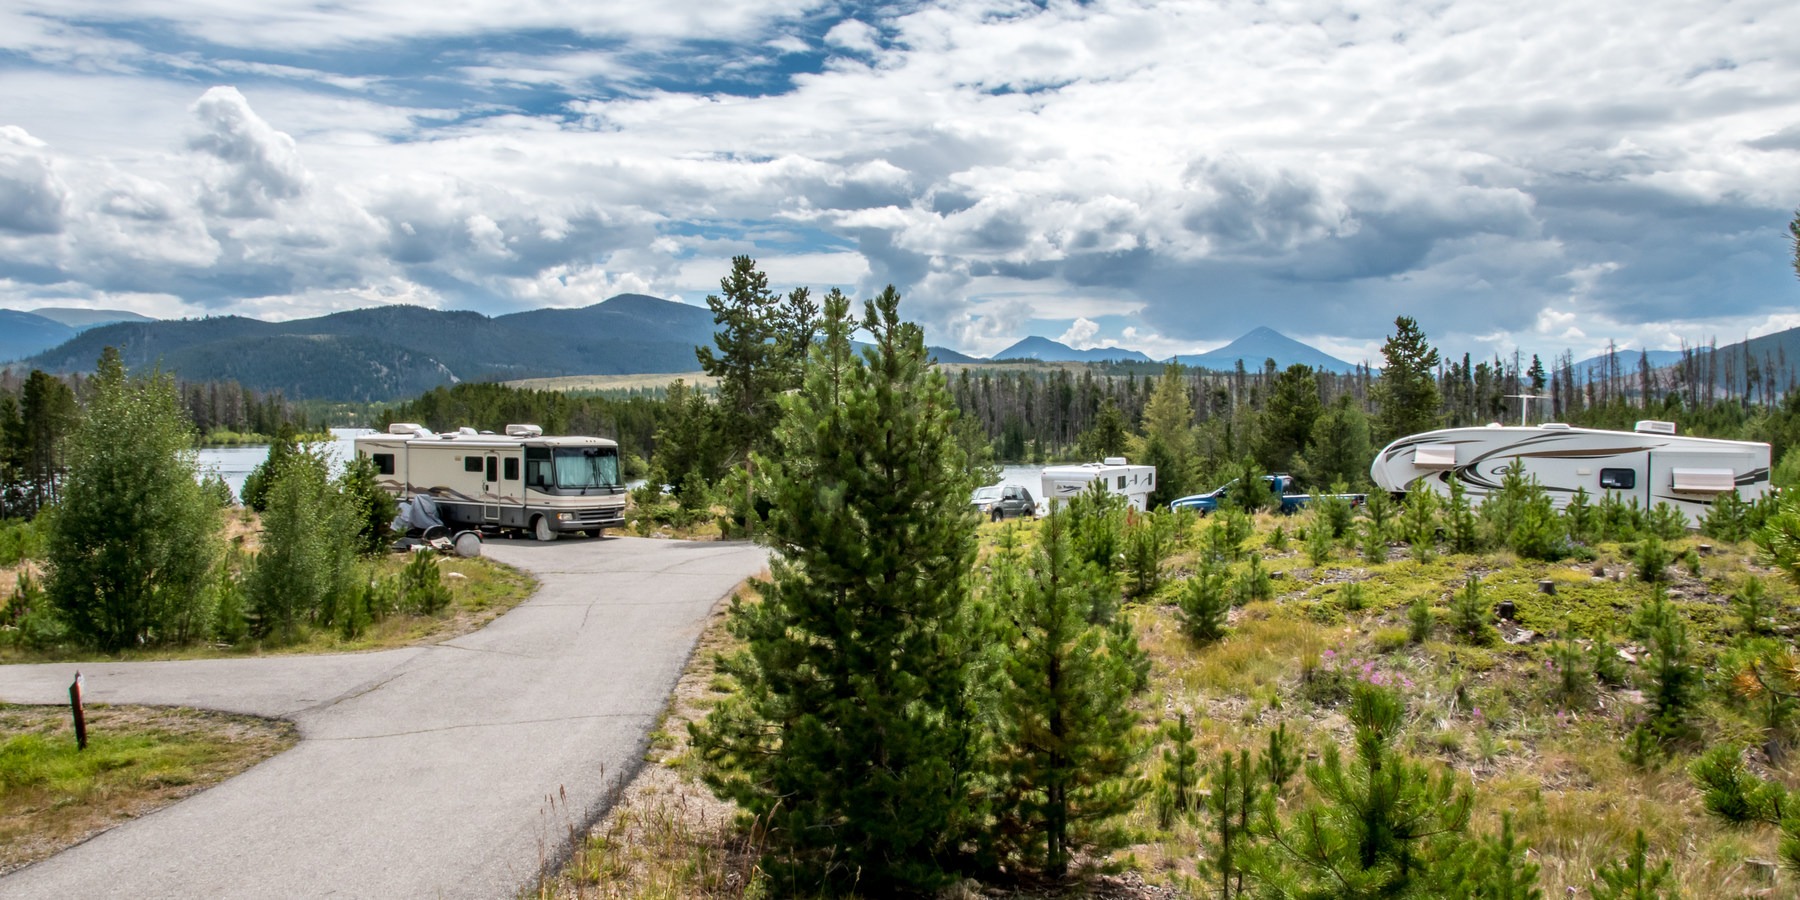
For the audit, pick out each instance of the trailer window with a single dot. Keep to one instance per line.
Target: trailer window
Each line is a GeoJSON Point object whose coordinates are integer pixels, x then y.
{"type": "Point", "coordinates": [493, 468]}
{"type": "Point", "coordinates": [1121, 482]}
{"type": "Point", "coordinates": [1618, 479]}
{"type": "Point", "coordinates": [586, 467]}
{"type": "Point", "coordinates": [471, 464]}
{"type": "Point", "coordinates": [384, 463]}
{"type": "Point", "coordinates": [512, 468]}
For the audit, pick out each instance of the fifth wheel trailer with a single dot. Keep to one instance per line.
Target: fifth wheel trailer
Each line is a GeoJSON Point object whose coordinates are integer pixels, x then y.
{"type": "Point", "coordinates": [1651, 464]}
{"type": "Point", "coordinates": [1134, 483]}
{"type": "Point", "coordinates": [518, 480]}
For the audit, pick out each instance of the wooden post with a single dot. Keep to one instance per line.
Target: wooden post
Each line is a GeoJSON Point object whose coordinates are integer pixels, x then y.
{"type": "Point", "coordinates": [78, 712]}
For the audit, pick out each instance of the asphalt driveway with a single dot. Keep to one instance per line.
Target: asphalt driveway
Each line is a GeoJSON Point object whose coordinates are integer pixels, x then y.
{"type": "Point", "coordinates": [452, 770]}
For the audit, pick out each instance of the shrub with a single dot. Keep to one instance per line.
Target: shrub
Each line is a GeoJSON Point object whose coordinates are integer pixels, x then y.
{"type": "Point", "coordinates": [1652, 559]}
{"type": "Point", "coordinates": [1336, 511]}
{"type": "Point", "coordinates": [1617, 520]}
{"type": "Point", "coordinates": [1204, 603]}
{"type": "Point", "coordinates": [1727, 519]}
{"type": "Point", "coordinates": [1177, 789]}
{"type": "Point", "coordinates": [1536, 533]}
{"type": "Point", "coordinates": [1755, 610]}
{"type": "Point", "coordinates": [1731, 792]}
{"type": "Point", "coordinates": [1253, 583]}
{"type": "Point", "coordinates": [1319, 542]}
{"type": "Point", "coordinates": [1673, 680]}
{"type": "Point", "coordinates": [1666, 522]}
{"type": "Point", "coordinates": [1460, 523]}
{"type": "Point", "coordinates": [1351, 596]}
{"type": "Point", "coordinates": [1278, 539]}
{"type": "Point", "coordinates": [422, 589]}
{"type": "Point", "coordinates": [1419, 522]}
{"type": "Point", "coordinates": [1574, 677]}
{"type": "Point", "coordinates": [1374, 543]}
{"type": "Point", "coordinates": [1633, 878]}
{"type": "Point", "coordinates": [1469, 614]}
{"type": "Point", "coordinates": [1378, 514]}
{"type": "Point", "coordinates": [20, 540]}
{"type": "Point", "coordinates": [1148, 540]}
{"type": "Point", "coordinates": [1579, 517]}
{"type": "Point", "coordinates": [1419, 619]}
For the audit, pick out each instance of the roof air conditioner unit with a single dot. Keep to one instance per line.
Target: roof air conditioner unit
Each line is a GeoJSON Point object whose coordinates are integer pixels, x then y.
{"type": "Point", "coordinates": [524, 431]}
{"type": "Point", "coordinates": [406, 428]}
{"type": "Point", "coordinates": [1652, 426]}
{"type": "Point", "coordinates": [1115, 460]}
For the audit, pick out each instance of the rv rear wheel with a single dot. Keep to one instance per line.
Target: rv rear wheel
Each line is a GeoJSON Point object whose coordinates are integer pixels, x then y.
{"type": "Point", "coordinates": [540, 529]}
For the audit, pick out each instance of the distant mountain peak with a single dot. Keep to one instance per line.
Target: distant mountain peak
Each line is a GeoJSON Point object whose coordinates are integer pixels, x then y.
{"type": "Point", "coordinates": [1047, 350]}
{"type": "Point", "coordinates": [1264, 343]}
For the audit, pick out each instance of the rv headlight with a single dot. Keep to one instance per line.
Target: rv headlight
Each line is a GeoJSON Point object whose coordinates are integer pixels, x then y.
{"type": "Point", "coordinates": [564, 517]}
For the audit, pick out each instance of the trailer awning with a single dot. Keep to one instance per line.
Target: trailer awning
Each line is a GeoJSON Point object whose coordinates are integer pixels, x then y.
{"type": "Point", "coordinates": [1435, 456]}
{"type": "Point", "coordinates": [1703, 481]}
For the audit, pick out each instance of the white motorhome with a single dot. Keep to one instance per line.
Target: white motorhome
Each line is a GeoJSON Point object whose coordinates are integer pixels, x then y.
{"type": "Point", "coordinates": [518, 480]}
{"type": "Point", "coordinates": [1134, 483]}
{"type": "Point", "coordinates": [1651, 464]}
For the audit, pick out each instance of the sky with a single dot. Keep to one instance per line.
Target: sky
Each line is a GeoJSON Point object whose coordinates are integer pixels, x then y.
{"type": "Point", "coordinates": [1537, 175]}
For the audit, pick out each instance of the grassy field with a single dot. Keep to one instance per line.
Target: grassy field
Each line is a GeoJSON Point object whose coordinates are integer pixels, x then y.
{"type": "Point", "coordinates": [138, 759]}
{"type": "Point", "coordinates": [1488, 713]}
{"type": "Point", "coordinates": [603, 383]}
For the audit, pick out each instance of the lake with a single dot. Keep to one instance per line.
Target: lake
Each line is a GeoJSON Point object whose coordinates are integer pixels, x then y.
{"type": "Point", "coordinates": [234, 463]}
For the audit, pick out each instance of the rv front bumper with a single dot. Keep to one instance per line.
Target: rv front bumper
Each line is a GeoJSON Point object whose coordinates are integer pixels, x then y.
{"type": "Point", "coordinates": [588, 519]}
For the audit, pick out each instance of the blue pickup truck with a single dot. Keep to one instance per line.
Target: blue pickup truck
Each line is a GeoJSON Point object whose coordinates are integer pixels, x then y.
{"type": "Point", "coordinates": [1282, 485]}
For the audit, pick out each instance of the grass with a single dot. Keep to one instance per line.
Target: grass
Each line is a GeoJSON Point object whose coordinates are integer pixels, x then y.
{"type": "Point", "coordinates": [1488, 713]}
{"type": "Point", "coordinates": [480, 591]}
{"type": "Point", "coordinates": [138, 759]}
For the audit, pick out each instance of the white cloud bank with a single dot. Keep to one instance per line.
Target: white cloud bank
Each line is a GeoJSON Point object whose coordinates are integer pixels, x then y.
{"type": "Point", "coordinates": [1534, 175]}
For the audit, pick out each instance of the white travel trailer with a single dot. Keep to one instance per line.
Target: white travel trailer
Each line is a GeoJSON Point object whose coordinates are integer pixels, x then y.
{"type": "Point", "coordinates": [518, 480]}
{"type": "Point", "coordinates": [1651, 464]}
{"type": "Point", "coordinates": [1134, 483]}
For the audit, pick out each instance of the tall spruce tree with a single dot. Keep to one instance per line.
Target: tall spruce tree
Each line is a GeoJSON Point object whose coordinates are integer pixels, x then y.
{"type": "Point", "coordinates": [134, 537]}
{"type": "Point", "coordinates": [1168, 442]}
{"type": "Point", "coordinates": [1067, 752]}
{"type": "Point", "coordinates": [748, 359]}
{"type": "Point", "coordinates": [1407, 394]}
{"type": "Point", "coordinates": [849, 734]}
{"type": "Point", "coordinates": [1288, 418]}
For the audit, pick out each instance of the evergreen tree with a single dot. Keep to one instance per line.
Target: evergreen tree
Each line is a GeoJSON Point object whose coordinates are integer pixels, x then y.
{"type": "Point", "coordinates": [134, 537]}
{"type": "Point", "coordinates": [688, 444]}
{"type": "Point", "coordinates": [1338, 449]}
{"type": "Point", "coordinates": [303, 570]}
{"type": "Point", "coordinates": [748, 360]}
{"type": "Point", "coordinates": [1407, 394]}
{"type": "Point", "coordinates": [1067, 752]}
{"type": "Point", "coordinates": [1380, 826]}
{"type": "Point", "coordinates": [48, 416]}
{"type": "Point", "coordinates": [374, 507]}
{"type": "Point", "coordinates": [1288, 418]}
{"type": "Point", "coordinates": [1168, 442]}
{"type": "Point", "coordinates": [257, 483]}
{"type": "Point", "coordinates": [849, 735]}
{"type": "Point", "coordinates": [1108, 436]}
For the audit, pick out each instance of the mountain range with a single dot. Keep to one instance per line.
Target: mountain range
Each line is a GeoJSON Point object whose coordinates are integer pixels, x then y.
{"type": "Point", "coordinates": [1252, 349]}
{"type": "Point", "coordinates": [392, 352]}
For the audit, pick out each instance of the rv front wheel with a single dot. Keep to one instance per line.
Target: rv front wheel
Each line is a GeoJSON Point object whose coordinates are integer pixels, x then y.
{"type": "Point", "coordinates": [540, 529]}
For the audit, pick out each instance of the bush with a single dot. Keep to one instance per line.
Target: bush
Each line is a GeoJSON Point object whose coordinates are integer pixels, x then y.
{"type": "Point", "coordinates": [1633, 878]}
{"type": "Point", "coordinates": [1253, 583]}
{"type": "Point", "coordinates": [422, 589]}
{"type": "Point", "coordinates": [1378, 514]}
{"type": "Point", "coordinates": [1319, 543]}
{"type": "Point", "coordinates": [1374, 543]}
{"type": "Point", "coordinates": [1419, 620]}
{"type": "Point", "coordinates": [1754, 608]}
{"type": "Point", "coordinates": [1580, 518]}
{"type": "Point", "coordinates": [1727, 519]}
{"type": "Point", "coordinates": [303, 572]}
{"type": "Point", "coordinates": [1148, 540]}
{"type": "Point", "coordinates": [1469, 614]}
{"type": "Point", "coordinates": [1617, 520]}
{"type": "Point", "coordinates": [20, 540]}
{"type": "Point", "coordinates": [1351, 596]}
{"type": "Point", "coordinates": [1536, 533]}
{"type": "Point", "coordinates": [1336, 511]}
{"type": "Point", "coordinates": [1574, 676]}
{"type": "Point", "coordinates": [1652, 559]}
{"type": "Point", "coordinates": [1419, 522]}
{"type": "Point", "coordinates": [1731, 792]}
{"type": "Point", "coordinates": [1666, 522]}
{"type": "Point", "coordinates": [1204, 603]}
{"type": "Point", "coordinates": [1461, 526]}
{"type": "Point", "coordinates": [1673, 680]}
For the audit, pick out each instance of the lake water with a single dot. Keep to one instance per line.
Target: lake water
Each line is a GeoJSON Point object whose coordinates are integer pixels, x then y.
{"type": "Point", "coordinates": [234, 463]}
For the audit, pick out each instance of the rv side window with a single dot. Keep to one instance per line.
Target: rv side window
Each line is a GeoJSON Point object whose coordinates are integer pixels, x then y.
{"type": "Point", "coordinates": [1618, 479]}
{"type": "Point", "coordinates": [1121, 482]}
{"type": "Point", "coordinates": [471, 464]}
{"type": "Point", "coordinates": [512, 468]}
{"type": "Point", "coordinates": [537, 467]}
{"type": "Point", "coordinates": [384, 463]}
{"type": "Point", "coordinates": [493, 468]}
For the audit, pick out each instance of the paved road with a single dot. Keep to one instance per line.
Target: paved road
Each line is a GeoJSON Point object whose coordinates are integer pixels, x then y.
{"type": "Point", "coordinates": [423, 772]}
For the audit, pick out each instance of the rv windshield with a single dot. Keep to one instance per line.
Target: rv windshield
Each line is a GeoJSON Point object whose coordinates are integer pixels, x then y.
{"type": "Point", "coordinates": [580, 468]}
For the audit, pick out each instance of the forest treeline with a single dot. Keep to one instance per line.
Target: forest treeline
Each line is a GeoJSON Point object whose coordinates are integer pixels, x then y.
{"type": "Point", "coordinates": [39, 412]}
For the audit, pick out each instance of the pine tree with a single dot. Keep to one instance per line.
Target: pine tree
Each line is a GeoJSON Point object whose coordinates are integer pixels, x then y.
{"type": "Point", "coordinates": [849, 735]}
{"type": "Point", "coordinates": [1168, 442]}
{"type": "Point", "coordinates": [133, 540]}
{"type": "Point", "coordinates": [1381, 825]}
{"type": "Point", "coordinates": [309, 543]}
{"type": "Point", "coordinates": [1067, 751]}
{"type": "Point", "coordinates": [1407, 394]}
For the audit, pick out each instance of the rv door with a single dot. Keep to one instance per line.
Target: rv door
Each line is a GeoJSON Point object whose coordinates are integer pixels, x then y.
{"type": "Point", "coordinates": [490, 488]}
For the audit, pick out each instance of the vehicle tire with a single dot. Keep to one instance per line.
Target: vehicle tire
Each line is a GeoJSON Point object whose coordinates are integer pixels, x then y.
{"type": "Point", "coordinates": [996, 515]}
{"type": "Point", "coordinates": [540, 529]}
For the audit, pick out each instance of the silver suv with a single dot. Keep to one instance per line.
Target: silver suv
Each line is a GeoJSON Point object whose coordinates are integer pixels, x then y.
{"type": "Point", "coordinates": [1004, 501]}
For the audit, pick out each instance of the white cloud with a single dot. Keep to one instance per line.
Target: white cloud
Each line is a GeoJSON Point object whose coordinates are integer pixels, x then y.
{"type": "Point", "coordinates": [255, 166]}
{"type": "Point", "coordinates": [1080, 334]}
{"type": "Point", "coordinates": [32, 197]}
{"type": "Point", "coordinates": [855, 35]}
